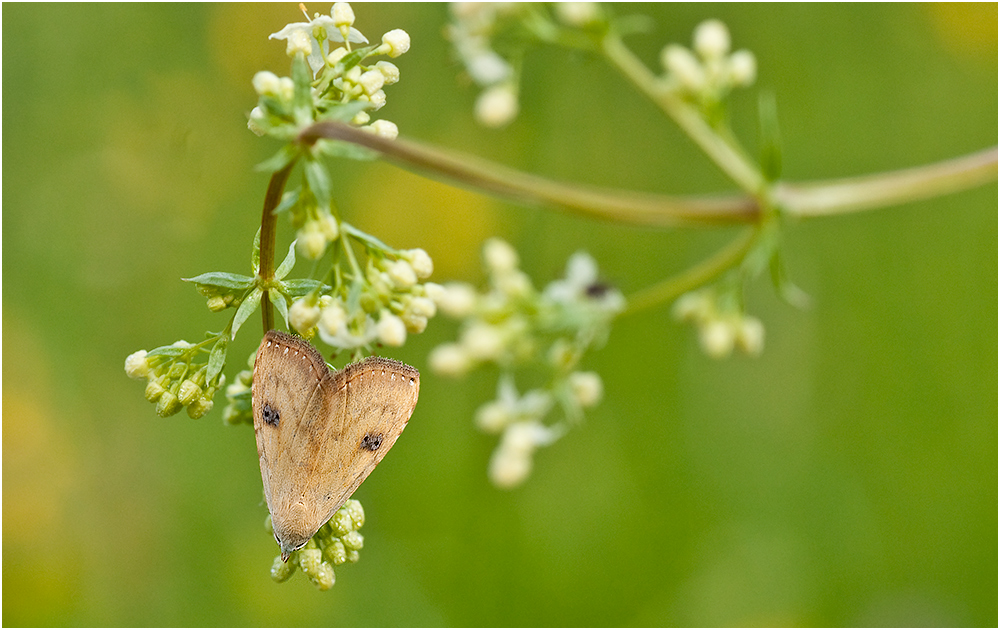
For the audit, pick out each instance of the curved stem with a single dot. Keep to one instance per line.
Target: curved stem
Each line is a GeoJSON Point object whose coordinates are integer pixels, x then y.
{"type": "Point", "coordinates": [728, 157]}
{"type": "Point", "coordinates": [268, 224]}
{"type": "Point", "coordinates": [887, 189]}
{"type": "Point", "coordinates": [616, 205]}
{"type": "Point", "coordinates": [692, 278]}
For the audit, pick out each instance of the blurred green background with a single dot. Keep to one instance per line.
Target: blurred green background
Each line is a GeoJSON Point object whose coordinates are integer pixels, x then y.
{"type": "Point", "coordinates": [846, 477]}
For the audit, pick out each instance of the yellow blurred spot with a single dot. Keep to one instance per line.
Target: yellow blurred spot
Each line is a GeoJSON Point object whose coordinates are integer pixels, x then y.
{"type": "Point", "coordinates": [966, 28]}
{"type": "Point", "coordinates": [406, 211]}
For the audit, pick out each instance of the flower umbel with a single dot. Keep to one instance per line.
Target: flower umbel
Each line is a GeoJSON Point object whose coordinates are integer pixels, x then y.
{"type": "Point", "coordinates": [513, 325]}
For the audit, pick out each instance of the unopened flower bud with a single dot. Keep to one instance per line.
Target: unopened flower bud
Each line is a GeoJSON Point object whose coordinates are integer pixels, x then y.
{"type": "Point", "coordinates": [167, 405]}
{"type": "Point", "coordinates": [422, 264]}
{"type": "Point", "coordinates": [684, 67]}
{"type": "Point", "coordinates": [397, 41]}
{"type": "Point", "coordinates": [390, 329]}
{"type": "Point", "coordinates": [154, 390]}
{"type": "Point", "coordinates": [371, 81]}
{"type": "Point", "coordinates": [743, 68]}
{"type": "Point", "coordinates": [385, 129]}
{"type": "Point", "coordinates": [336, 55]}
{"type": "Point", "coordinates": [281, 570]}
{"type": "Point", "coordinates": [499, 255]}
{"type": "Point", "coordinates": [342, 14]}
{"type": "Point", "coordinates": [298, 42]}
{"type": "Point", "coordinates": [257, 122]}
{"type": "Point", "coordinates": [750, 335]}
{"type": "Point", "coordinates": [402, 275]}
{"type": "Point", "coordinates": [717, 338]}
{"type": "Point", "coordinates": [199, 408]}
{"type": "Point", "coordinates": [341, 523]}
{"type": "Point", "coordinates": [492, 417]}
{"type": "Point", "coordinates": [335, 552]}
{"type": "Point", "coordinates": [422, 307]}
{"type": "Point", "coordinates": [496, 106]}
{"type": "Point", "coordinates": [389, 71]}
{"type": "Point", "coordinates": [332, 319]}
{"type": "Point", "coordinates": [356, 511]}
{"type": "Point", "coordinates": [188, 392]}
{"type": "Point", "coordinates": [482, 341]}
{"type": "Point", "coordinates": [266, 83]}
{"type": "Point", "coordinates": [711, 39]}
{"type": "Point", "coordinates": [458, 300]}
{"type": "Point", "coordinates": [136, 365]}
{"type": "Point", "coordinates": [353, 540]}
{"type": "Point", "coordinates": [311, 240]}
{"type": "Point", "coordinates": [449, 359]}
{"type": "Point", "coordinates": [303, 315]}
{"type": "Point", "coordinates": [508, 468]}
{"type": "Point", "coordinates": [587, 388]}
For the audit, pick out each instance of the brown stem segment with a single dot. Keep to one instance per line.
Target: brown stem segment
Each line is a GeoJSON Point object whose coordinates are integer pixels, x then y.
{"type": "Point", "coordinates": [268, 225]}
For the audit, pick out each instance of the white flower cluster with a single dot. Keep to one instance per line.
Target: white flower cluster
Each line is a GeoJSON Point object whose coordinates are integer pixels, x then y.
{"type": "Point", "coordinates": [710, 71]}
{"type": "Point", "coordinates": [383, 305]}
{"type": "Point", "coordinates": [338, 76]}
{"type": "Point", "coordinates": [337, 541]}
{"type": "Point", "coordinates": [720, 328]}
{"type": "Point", "coordinates": [513, 324]}
{"type": "Point", "coordinates": [473, 24]}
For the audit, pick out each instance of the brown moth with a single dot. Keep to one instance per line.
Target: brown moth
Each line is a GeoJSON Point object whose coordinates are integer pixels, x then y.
{"type": "Point", "coordinates": [321, 432]}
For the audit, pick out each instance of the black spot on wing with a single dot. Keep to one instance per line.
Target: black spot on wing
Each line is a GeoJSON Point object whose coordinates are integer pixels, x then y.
{"type": "Point", "coordinates": [270, 415]}
{"type": "Point", "coordinates": [371, 442]}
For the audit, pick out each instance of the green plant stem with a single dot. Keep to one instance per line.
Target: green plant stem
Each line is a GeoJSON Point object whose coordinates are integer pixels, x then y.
{"type": "Point", "coordinates": [813, 199]}
{"type": "Point", "coordinates": [268, 234]}
{"type": "Point", "coordinates": [694, 277]}
{"type": "Point", "coordinates": [649, 210]}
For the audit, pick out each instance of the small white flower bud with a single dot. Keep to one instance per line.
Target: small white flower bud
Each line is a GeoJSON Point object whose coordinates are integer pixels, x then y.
{"type": "Point", "coordinates": [458, 299]}
{"type": "Point", "coordinates": [711, 39]}
{"type": "Point", "coordinates": [377, 100]}
{"type": "Point", "coordinates": [354, 74]}
{"type": "Point", "coordinates": [266, 83]}
{"type": "Point", "coordinates": [750, 335]}
{"type": "Point", "coordinates": [422, 263]}
{"type": "Point", "coordinates": [302, 315]}
{"type": "Point", "coordinates": [482, 341]}
{"type": "Point", "coordinates": [492, 417]}
{"type": "Point", "coordinates": [684, 67]}
{"type": "Point", "coordinates": [487, 67]}
{"type": "Point", "coordinates": [336, 55]}
{"type": "Point", "coordinates": [693, 306]}
{"type": "Point", "coordinates": [398, 42]}
{"type": "Point", "coordinates": [423, 307]}
{"type": "Point", "coordinates": [717, 338]}
{"type": "Point", "coordinates": [499, 255]}
{"type": "Point", "coordinates": [298, 42]}
{"type": "Point", "coordinates": [332, 319]}
{"type": "Point", "coordinates": [496, 106]}
{"type": "Point", "coordinates": [390, 72]}
{"type": "Point", "coordinates": [286, 89]}
{"type": "Point", "coordinates": [515, 283]}
{"type": "Point", "coordinates": [311, 241]}
{"type": "Point", "coordinates": [390, 329]}
{"type": "Point", "coordinates": [199, 408]}
{"type": "Point", "coordinates": [361, 118]}
{"type": "Point", "coordinates": [329, 227]}
{"type": "Point", "coordinates": [257, 122]}
{"type": "Point", "coordinates": [384, 128]}
{"type": "Point", "coordinates": [342, 14]}
{"type": "Point", "coordinates": [577, 14]}
{"type": "Point", "coordinates": [508, 468]}
{"type": "Point", "coordinates": [415, 324]}
{"type": "Point", "coordinates": [136, 365]}
{"type": "Point", "coordinates": [402, 275]}
{"type": "Point", "coordinates": [188, 392]}
{"type": "Point", "coordinates": [371, 81]}
{"type": "Point", "coordinates": [743, 68]}
{"type": "Point", "coordinates": [449, 359]}
{"type": "Point", "coordinates": [587, 388]}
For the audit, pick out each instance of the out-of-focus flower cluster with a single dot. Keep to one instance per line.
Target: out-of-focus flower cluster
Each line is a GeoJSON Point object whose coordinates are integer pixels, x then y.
{"type": "Point", "coordinates": [479, 30]}
{"type": "Point", "coordinates": [722, 324]}
{"type": "Point", "coordinates": [174, 378]}
{"type": "Point", "coordinates": [512, 324]}
{"type": "Point", "coordinates": [336, 542]}
{"type": "Point", "coordinates": [710, 71]}
{"type": "Point", "coordinates": [336, 82]}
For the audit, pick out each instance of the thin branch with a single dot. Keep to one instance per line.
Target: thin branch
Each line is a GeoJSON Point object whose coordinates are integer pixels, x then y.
{"type": "Point", "coordinates": [268, 224]}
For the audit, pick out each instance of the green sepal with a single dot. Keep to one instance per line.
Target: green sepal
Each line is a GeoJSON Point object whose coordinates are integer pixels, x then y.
{"type": "Point", "coordinates": [217, 358]}
{"type": "Point", "coordinates": [286, 264]}
{"type": "Point", "coordinates": [280, 303]}
{"type": "Point", "coordinates": [246, 309]}
{"type": "Point", "coordinates": [319, 181]}
{"type": "Point", "coordinates": [222, 279]}
{"type": "Point", "coordinates": [356, 56]}
{"type": "Point", "coordinates": [302, 94]}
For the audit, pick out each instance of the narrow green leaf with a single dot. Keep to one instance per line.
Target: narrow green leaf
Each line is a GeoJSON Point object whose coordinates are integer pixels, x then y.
{"type": "Point", "coordinates": [166, 351]}
{"type": "Point", "coordinates": [246, 309]}
{"type": "Point", "coordinates": [285, 156]}
{"type": "Point", "coordinates": [786, 289]}
{"type": "Point", "coordinates": [222, 279]}
{"type": "Point", "coordinates": [356, 56]}
{"type": "Point", "coordinates": [288, 201]}
{"type": "Point", "coordinates": [217, 358]}
{"type": "Point", "coordinates": [280, 302]}
{"type": "Point", "coordinates": [770, 136]}
{"type": "Point", "coordinates": [255, 253]}
{"type": "Point", "coordinates": [344, 112]}
{"type": "Point", "coordinates": [319, 181]}
{"type": "Point", "coordinates": [346, 150]}
{"type": "Point", "coordinates": [302, 78]}
{"type": "Point", "coordinates": [286, 264]}
{"type": "Point", "coordinates": [364, 237]}
{"type": "Point", "coordinates": [298, 287]}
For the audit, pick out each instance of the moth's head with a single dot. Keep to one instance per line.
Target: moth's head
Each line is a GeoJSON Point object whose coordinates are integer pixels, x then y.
{"type": "Point", "coordinates": [291, 530]}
